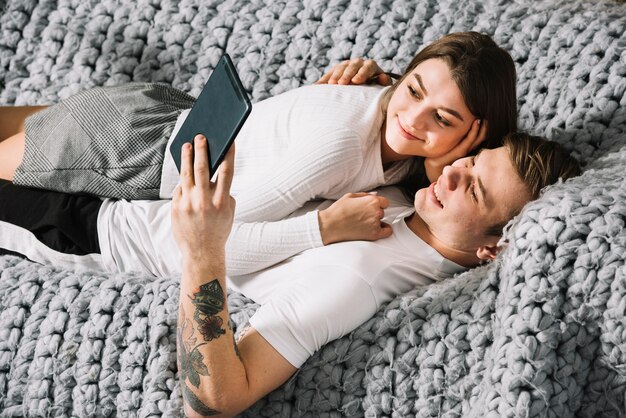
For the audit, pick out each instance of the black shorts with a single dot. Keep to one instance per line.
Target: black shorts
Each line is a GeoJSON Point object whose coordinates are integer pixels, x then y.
{"type": "Point", "coordinates": [63, 222]}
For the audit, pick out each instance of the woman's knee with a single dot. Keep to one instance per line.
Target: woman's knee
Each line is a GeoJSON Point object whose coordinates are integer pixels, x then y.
{"type": "Point", "coordinates": [12, 119]}
{"type": "Point", "coordinates": [11, 155]}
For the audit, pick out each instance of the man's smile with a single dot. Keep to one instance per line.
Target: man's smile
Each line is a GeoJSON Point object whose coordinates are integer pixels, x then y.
{"type": "Point", "coordinates": [434, 193]}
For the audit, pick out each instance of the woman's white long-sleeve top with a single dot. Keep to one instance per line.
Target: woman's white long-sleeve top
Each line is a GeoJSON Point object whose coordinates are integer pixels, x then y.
{"type": "Point", "coordinates": [314, 142]}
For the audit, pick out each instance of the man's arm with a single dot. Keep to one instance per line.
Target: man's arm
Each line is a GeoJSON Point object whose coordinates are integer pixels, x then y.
{"type": "Point", "coordinates": [217, 375]}
{"type": "Point", "coordinates": [357, 71]}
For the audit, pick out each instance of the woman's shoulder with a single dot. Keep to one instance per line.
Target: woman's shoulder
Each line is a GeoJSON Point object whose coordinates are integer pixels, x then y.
{"type": "Point", "coordinates": [354, 96]}
{"type": "Point", "coordinates": [327, 99]}
{"type": "Point", "coordinates": [328, 119]}
{"type": "Point", "coordinates": [325, 108]}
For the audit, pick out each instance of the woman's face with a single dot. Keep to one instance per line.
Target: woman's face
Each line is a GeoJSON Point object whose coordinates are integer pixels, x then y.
{"type": "Point", "coordinates": [426, 115]}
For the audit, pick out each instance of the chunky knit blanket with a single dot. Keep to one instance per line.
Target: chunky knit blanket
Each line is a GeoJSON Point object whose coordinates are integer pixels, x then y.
{"type": "Point", "coordinates": [541, 332]}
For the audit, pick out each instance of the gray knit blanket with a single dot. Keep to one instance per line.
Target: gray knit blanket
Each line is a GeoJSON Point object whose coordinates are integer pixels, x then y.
{"type": "Point", "coordinates": [540, 332]}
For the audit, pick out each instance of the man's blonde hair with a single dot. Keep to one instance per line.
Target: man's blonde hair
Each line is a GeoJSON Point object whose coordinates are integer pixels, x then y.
{"type": "Point", "coordinates": [539, 163]}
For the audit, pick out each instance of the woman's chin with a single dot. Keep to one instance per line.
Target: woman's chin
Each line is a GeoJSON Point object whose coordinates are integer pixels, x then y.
{"type": "Point", "coordinates": [409, 152]}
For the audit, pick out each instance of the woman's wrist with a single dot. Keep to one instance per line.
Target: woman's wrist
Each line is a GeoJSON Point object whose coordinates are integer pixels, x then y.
{"type": "Point", "coordinates": [325, 228]}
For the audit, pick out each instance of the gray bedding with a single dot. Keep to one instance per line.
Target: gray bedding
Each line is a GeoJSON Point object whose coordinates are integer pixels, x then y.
{"type": "Point", "coordinates": [538, 333]}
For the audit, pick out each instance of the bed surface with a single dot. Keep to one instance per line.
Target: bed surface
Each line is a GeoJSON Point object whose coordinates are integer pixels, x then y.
{"type": "Point", "coordinates": [538, 333]}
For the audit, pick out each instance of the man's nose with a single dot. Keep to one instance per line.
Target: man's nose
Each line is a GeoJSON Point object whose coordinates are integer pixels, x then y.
{"type": "Point", "coordinates": [452, 176]}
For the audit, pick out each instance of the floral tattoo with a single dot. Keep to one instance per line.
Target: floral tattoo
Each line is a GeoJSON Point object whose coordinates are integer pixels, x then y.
{"type": "Point", "coordinates": [209, 301]}
{"type": "Point", "coordinates": [191, 365]}
{"type": "Point", "coordinates": [190, 359]}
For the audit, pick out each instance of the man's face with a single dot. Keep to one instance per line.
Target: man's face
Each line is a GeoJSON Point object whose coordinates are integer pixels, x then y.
{"type": "Point", "coordinates": [471, 195]}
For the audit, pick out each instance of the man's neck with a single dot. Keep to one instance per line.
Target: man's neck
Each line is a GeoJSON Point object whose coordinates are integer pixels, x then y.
{"type": "Point", "coordinates": [464, 258]}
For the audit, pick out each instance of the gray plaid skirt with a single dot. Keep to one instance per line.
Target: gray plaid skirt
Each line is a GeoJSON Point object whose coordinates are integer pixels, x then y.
{"type": "Point", "coordinates": [106, 141]}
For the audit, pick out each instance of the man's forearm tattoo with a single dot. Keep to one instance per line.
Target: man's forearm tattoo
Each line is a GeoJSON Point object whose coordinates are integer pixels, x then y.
{"type": "Point", "coordinates": [190, 359]}
{"type": "Point", "coordinates": [191, 365]}
{"type": "Point", "coordinates": [209, 302]}
{"type": "Point", "coordinates": [195, 403]}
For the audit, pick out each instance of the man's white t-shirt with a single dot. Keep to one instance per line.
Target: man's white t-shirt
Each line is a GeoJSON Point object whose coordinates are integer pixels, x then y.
{"type": "Point", "coordinates": [326, 292]}
{"type": "Point", "coordinates": [318, 295]}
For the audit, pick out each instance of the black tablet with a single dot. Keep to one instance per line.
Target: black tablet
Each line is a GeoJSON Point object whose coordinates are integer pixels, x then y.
{"type": "Point", "coordinates": [218, 114]}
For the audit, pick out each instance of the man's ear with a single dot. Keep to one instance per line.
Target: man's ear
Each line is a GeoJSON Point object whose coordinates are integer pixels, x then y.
{"type": "Point", "coordinates": [488, 252]}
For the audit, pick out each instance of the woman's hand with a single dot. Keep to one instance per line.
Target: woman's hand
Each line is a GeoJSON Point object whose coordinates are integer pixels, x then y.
{"type": "Point", "coordinates": [202, 211]}
{"type": "Point", "coordinates": [356, 216]}
{"type": "Point", "coordinates": [475, 136]}
{"type": "Point", "coordinates": [356, 71]}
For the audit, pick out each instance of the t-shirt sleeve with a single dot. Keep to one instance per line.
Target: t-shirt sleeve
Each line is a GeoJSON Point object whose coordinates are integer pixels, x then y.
{"type": "Point", "coordinates": [318, 307]}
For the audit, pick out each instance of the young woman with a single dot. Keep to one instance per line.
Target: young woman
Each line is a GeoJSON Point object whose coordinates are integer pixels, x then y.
{"type": "Point", "coordinates": [309, 143]}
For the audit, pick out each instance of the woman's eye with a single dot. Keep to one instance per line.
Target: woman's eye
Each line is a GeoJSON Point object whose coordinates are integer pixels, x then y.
{"type": "Point", "coordinates": [441, 120]}
{"type": "Point", "coordinates": [414, 93]}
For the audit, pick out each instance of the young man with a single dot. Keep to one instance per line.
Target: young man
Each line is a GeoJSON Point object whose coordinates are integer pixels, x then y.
{"type": "Point", "coordinates": [459, 219]}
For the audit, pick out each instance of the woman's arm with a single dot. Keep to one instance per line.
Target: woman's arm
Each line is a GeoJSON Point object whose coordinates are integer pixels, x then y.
{"type": "Point", "coordinates": [254, 246]}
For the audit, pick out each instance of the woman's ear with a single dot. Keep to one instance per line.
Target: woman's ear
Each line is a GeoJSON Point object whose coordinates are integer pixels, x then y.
{"type": "Point", "coordinates": [488, 252]}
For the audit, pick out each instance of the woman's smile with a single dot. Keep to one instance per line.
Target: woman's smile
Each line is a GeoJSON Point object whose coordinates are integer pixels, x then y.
{"type": "Point", "coordinates": [404, 132]}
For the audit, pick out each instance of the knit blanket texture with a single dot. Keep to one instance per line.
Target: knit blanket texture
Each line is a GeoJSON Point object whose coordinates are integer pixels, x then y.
{"type": "Point", "coordinates": [540, 332]}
